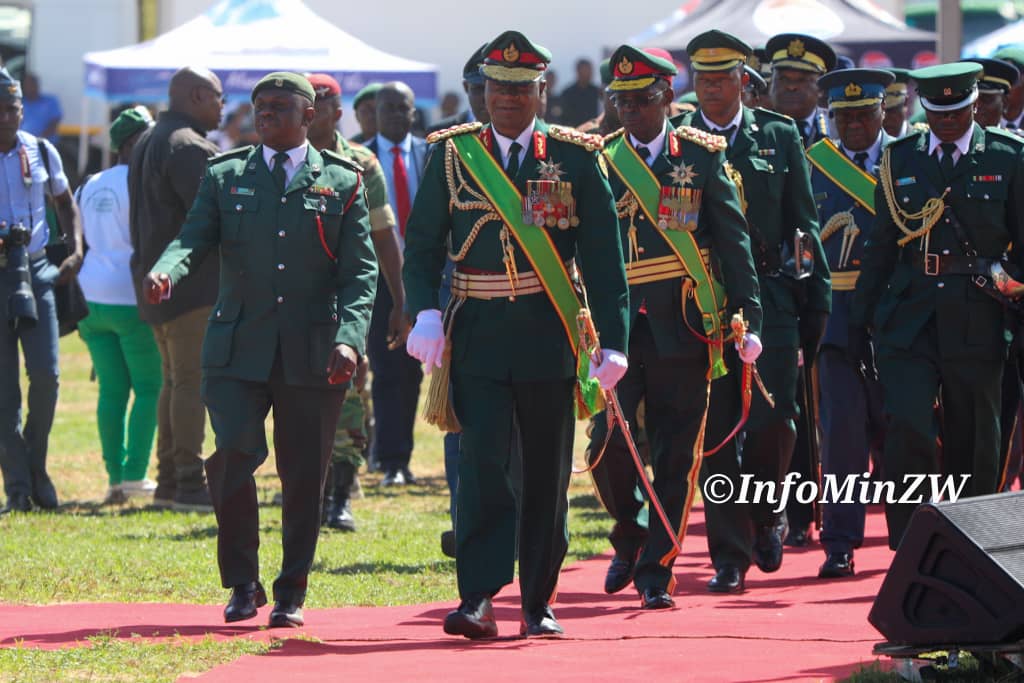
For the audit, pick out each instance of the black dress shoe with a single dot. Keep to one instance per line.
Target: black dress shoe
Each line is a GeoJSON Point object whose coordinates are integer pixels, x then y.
{"type": "Point", "coordinates": [797, 538]}
{"type": "Point", "coordinates": [620, 572]}
{"type": "Point", "coordinates": [540, 623]}
{"type": "Point", "coordinates": [767, 553]}
{"type": "Point", "coordinates": [656, 598]}
{"type": "Point", "coordinates": [17, 502]}
{"type": "Point", "coordinates": [473, 619]}
{"type": "Point", "coordinates": [836, 566]}
{"type": "Point", "coordinates": [44, 495]}
{"type": "Point", "coordinates": [246, 598]}
{"type": "Point", "coordinates": [286, 614]}
{"type": "Point", "coordinates": [727, 579]}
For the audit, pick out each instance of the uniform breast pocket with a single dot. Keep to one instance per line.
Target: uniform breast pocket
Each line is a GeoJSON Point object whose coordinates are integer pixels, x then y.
{"type": "Point", "coordinates": [770, 172]}
{"type": "Point", "coordinates": [325, 213]}
{"type": "Point", "coordinates": [239, 213]}
{"type": "Point", "coordinates": [220, 334]}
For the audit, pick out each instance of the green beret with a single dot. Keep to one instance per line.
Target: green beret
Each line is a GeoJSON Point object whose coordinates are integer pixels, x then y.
{"type": "Point", "coordinates": [128, 123]}
{"type": "Point", "coordinates": [9, 88]}
{"type": "Point", "coordinates": [800, 52]}
{"type": "Point", "coordinates": [471, 71]}
{"type": "Point", "coordinates": [1011, 54]}
{"type": "Point", "coordinates": [716, 50]}
{"type": "Point", "coordinates": [285, 80]}
{"type": "Point", "coordinates": [368, 92]}
{"type": "Point", "coordinates": [634, 69]}
{"type": "Point", "coordinates": [947, 87]}
{"type": "Point", "coordinates": [606, 72]}
{"type": "Point", "coordinates": [513, 58]}
{"type": "Point", "coordinates": [688, 98]}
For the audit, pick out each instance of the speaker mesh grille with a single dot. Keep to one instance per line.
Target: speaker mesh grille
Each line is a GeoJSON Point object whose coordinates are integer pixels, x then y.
{"type": "Point", "coordinates": [996, 524]}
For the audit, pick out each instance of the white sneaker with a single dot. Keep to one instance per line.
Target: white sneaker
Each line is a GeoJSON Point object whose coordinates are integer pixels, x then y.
{"type": "Point", "coordinates": [138, 489]}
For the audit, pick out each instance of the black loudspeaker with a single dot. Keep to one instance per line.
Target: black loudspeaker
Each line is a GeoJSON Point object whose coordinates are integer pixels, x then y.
{"type": "Point", "coordinates": [958, 575]}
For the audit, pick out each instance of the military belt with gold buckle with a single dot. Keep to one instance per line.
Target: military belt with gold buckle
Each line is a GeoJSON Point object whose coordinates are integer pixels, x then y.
{"type": "Point", "coordinates": [479, 284]}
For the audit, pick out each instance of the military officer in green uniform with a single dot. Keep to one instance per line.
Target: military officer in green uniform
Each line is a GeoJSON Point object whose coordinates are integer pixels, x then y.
{"type": "Point", "coordinates": [682, 231]}
{"type": "Point", "coordinates": [1013, 109]}
{"type": "Point", "coordinates": [351, 437]}
{"type": "Point", "coordinates": [949, 208]}
{"type": "Point", "coordinates": [516, 202]}
{"type": "Point", "coordinates": [896, 105]}
{"type": "Point", "coordinates": [297, 283]}
{"type": "Point", "coordinates": [797, 62]}
{"type": "Point", "coordinates": [767, 154]}
{"type": "Point", "coordinates": [997, 79]}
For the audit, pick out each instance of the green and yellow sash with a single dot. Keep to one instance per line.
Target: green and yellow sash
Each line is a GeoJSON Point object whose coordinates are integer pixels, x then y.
{"type": "Point", "coordinates": [848, 176]}
{"type": "Point", "coordinates": [540, 251]}
{"type": "Point", "coordinates": [710, 295]}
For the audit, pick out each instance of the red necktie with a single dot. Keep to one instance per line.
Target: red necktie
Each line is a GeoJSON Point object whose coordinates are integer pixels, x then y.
{"type": "Point", "coordinates": [401, 189]}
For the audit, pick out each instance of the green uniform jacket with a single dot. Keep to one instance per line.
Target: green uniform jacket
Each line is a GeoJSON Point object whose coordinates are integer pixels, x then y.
{"type": "Point", "coordinates": [381, 215]}
{"type": "Point", "coordinates": [278, 286]}
{"type": "Point", "coordinates": [987, 195]}
{"type": "Point", "coordinates": [721, 228]}
{"type": "Point", "coordinates": [768, 153]}
{"type": "Point", "coordinates": [522, 340]}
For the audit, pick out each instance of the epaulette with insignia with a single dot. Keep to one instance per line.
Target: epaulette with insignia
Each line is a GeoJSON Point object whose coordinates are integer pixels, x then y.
{"type": "Point", "coordinates": [236, 153]}
{"type": "Point", "coordinates": [763, 113]}
{"type": "Point", "coordinates": [1009, 135]}
{"type": "Point", "coordinates": [709, 141]}
{"type": "Point", "coordinates": [438, 136]}
{"type": "Point", "coordinates": [591, 143]}
{"type": "Point", "coordinates": [331, 155]}
{"type": "Point", "coordinates": [612, 136]}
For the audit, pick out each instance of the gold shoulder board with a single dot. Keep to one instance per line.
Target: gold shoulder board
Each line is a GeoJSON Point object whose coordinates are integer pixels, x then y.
{"type": "Point", "coordinates": [591, 143]}
{"type": "Point", "coordinates": [709, 141]}
{"type": "Point", "coordinates": [440, 135]}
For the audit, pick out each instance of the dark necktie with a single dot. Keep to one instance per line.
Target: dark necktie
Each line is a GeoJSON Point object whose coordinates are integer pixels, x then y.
{"type": "Point", "coordinates": [861, 159]}
{"type": "Point", "coordinates": [513, 160]}
{"type": "Point", "coordinates": [726, 133]}
{"type": "Point", "coordinates": [946, 163]}
{"type": "Point", "coordinates": [401, 177]}
{"type": "Point", "coordinates": [277, 173]}
{"type": "Point", "coordinates": [805, 130]}
{"type": "Point", "coordinates": [643, 153]}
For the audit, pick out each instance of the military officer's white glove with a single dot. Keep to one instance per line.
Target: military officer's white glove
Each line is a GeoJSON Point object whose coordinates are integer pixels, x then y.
{"type": "Point", "coordinates": [611, 369]}
{"type": "Point", "coordinates": [750, 349]}
{"type": "Point", "coordinates": [426, 340]}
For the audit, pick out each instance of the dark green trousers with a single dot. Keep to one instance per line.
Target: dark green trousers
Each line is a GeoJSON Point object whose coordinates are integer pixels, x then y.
{"type": "Point", "coordinates": [674, 420]}
{"type": "Point", "coordinates": [485, 535]}
{"type": "Point", "coordinates": [304, 424]}
{"type": "Point", "coordinates": [970, 391]}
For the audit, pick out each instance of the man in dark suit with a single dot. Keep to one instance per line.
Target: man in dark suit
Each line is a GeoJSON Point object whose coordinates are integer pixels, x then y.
{"type": "Point", "coordinates": [473, 84]}
{"type": "Point", "coordinates": [298, 274]}
{"type": "Point", "coordinates": [766, 151]}
{"type": "Point", "coordinates": [949, 210]}
{"type": "Point", "coordinates": [654, 167]}
{"type": "Point", "coordinates": [843, 173]}
{"type": "Point", "coordinates": [396, 376]}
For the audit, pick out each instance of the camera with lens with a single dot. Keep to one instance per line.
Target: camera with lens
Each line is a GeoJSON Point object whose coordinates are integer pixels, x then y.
{"type": "Point", "coordinates": [15, 273]}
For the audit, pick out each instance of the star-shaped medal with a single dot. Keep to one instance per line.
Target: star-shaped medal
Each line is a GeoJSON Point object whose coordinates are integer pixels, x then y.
{"type": "Point", "coordinates": [683, 175]}
{"type": "Point", "coordinates": [549, 170]}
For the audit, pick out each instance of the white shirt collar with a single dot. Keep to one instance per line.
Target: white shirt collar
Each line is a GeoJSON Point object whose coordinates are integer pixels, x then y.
{"type": "Point", "coordinates": [296, 155]}
{"type": "Point", "coordinates": [736, 120]}
{"type": "Point", "coordinates": [385, 145]}
{"type": "Point", "coordinates": [656, 146]}
{"type": "Point", "coordinates": [962, 144]}
{"type": "Point", "coordinates": [523, 139]}
{"type": "Point", "coordinates": [873, 152]}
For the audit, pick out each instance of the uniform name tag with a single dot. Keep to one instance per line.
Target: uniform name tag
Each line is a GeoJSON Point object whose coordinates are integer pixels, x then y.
{"type": "Point", "coordinates": [244, 191]}
{"type": "Point", "coordinates": [909, 180]}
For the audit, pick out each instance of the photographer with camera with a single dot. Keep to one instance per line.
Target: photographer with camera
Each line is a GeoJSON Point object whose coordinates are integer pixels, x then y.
{"type": "Point", "coordinates": [30, 170]}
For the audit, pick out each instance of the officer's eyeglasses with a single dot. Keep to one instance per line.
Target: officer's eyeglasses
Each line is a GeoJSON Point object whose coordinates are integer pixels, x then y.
{"type": "Point", "coordinates": [631, 101]}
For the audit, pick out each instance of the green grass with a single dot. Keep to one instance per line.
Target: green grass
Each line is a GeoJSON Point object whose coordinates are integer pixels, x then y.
{"type": "Point", "coordinates": [90, 552]}
{"type": "Point", "coordinates": [969, 670]}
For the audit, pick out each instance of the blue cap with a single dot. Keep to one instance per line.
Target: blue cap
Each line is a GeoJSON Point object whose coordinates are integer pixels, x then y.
{"type": "Point", "coordinates": [9, 88]}
{"type": "Point", "coordinates": [850, 88]}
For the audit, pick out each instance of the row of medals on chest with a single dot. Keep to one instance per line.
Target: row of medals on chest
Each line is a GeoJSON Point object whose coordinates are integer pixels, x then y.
{"type": "Point", "coordinates": [549, 202]}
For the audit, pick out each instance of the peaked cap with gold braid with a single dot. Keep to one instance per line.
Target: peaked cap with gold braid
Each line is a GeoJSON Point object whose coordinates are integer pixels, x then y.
{"type": "Point", "coordinates": [512, 58]}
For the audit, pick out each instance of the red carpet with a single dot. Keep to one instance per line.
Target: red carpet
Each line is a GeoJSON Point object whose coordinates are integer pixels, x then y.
{"type": "Point", "coordinates": [788, 626]}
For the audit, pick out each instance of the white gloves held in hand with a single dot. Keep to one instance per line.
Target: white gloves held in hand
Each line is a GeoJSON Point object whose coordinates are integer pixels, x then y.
{"type": "Point", "coordinates": [750, 348]}
{"type": "Point", "coordinates": [611, 369]}
{"type": "Point", "coordinates": [426, 340]}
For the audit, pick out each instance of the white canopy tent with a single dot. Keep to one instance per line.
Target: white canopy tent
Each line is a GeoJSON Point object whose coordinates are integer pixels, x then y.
{"type": "Point", "coordinates": [988, 44]}
{"type": "Point", "coordinates": [241, 41]}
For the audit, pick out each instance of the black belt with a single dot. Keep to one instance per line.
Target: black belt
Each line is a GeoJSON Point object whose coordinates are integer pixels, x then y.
{"type": "Point", "coordinates": [950, 264]}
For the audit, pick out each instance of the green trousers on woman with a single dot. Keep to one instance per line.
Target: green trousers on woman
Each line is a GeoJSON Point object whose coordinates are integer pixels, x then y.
{"type": "Point", "coordinates": [127, 361]}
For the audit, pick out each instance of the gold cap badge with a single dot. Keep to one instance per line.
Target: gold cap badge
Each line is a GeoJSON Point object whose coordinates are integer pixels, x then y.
{"type": "Point", "coordinates": [510, 53]}
{"type": "Point", "coordinates": [853, 90]}
{"type": "Point", "coordinates": [947, 91]}
{"type": "Point", "coordinates": [625, 66]}
{"type": "Point", "coordinates": [796, 48]}
{"type": "Point", "coordinates": [278, 82]}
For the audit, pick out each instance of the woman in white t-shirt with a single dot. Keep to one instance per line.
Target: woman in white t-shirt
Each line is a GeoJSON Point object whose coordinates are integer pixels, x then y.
{"type": "Point", "coordinates": [122, 347]}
